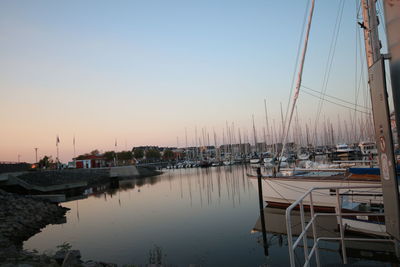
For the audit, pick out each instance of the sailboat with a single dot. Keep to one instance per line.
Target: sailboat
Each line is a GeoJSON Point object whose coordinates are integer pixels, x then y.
{"type": "Point", "coordinates": [281, 191]}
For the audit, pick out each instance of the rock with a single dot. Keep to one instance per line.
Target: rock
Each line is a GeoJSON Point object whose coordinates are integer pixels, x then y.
{"type": "Point", "coordinates": [60, 256]}
{"type": "Point", "coordinates": [98, 264]}
{"type": "Point", "coordinates": [72, 258]}
{"type": "Point", "coordinates": [21, 217]}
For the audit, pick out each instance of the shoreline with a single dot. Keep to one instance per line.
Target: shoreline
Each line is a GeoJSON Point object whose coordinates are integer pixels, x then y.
{"type": "Point", "coordinates": [24, 216]}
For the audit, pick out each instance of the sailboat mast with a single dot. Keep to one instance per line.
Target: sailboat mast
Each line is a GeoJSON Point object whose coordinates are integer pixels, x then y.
{"type": "Point", "coordinates": [186, 145]}
{"type": "Point", "coordinates": [255, 136]}
{"type": "Point", "coordinates": [392, 22]}
{"type": "Point", "coordinates": [240, 143]}
{"type": "Point", "coordinates": [380, 110]}
{"type": "Point", "coordinates": [195, 134]}
{"type": "Point", "coordinates": [266, 121]}
{"type": "Point", "coordinates": [299, 77]}
{"type": "Point", "coordinates": [215, 144]}
{"type": "Point", "coordinates": [283, 125]}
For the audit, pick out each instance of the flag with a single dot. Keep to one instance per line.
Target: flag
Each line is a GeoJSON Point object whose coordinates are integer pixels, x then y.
{"type": "Point", "coordinates": [57, 140]}
{"type": "Point", "coordinates": [115, 142]}
{"type": "Point", "coordinates": [73, 140]}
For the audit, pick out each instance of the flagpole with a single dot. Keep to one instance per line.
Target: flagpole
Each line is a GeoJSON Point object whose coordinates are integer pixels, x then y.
{"type": "Point", "coordinates": [58, 160]}
{"type": "Point", "coordinates": [116, 156]}
{"type": "Point", "coordinates": [74, 146]}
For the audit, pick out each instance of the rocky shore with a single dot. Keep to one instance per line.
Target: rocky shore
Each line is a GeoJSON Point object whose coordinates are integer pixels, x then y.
{"type": "Point", "coordinates": [22, 217]}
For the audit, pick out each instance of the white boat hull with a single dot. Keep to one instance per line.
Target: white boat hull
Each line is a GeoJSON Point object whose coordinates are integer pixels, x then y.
{"type": "Point", "coordinates": [254, 161]}
{"type": "Point", "coordinates": [283, 191]}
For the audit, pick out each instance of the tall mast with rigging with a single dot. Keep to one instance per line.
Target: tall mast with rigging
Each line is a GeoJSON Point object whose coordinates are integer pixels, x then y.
{"type": "Point", "coordinates": [392, 22]}
{"type": "Point", "coordinates": [380, 107]}
{"type": "Point", "coordinates": [285, 129]}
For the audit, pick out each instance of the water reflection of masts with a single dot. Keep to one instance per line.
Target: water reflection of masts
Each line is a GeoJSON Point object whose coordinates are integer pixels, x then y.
{"type": "Point", "coordinates": [199, 186]}
{"type": "Point", "coordinates": [237, 180]}
{"type": "Point", "coordinates": [227, 184]}
{"type": "Point", "coordinates": [189, 179]}
{"type": "Point", "coordinates": [180, 182]}
{"type": "Point", "coordinates": [208, 177]}
{"type": "Point", "coordinates": [229, 177]}
{"type": "Point", "coordinates": [77, 210]}
{"type": "Point", "coordinates": [219, 184]}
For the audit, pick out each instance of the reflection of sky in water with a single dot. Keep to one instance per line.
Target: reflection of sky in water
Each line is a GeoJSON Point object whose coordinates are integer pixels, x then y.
{"type": "Point", "coordinates": [194, 215]}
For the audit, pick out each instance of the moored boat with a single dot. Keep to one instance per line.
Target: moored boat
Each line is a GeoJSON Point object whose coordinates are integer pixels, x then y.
{"type": "Point", "coordinates": [283, 191]}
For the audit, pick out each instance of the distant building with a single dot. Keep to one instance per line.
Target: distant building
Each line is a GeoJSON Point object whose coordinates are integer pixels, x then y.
{"type": "Point", "coordinates": [90, 161]}
{"type": "Point", "coordinates": [236, 149]}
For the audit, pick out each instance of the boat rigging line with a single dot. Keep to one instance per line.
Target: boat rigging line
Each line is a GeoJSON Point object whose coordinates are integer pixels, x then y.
{"type": "Point", "coordinates": [336, 98]}
{"type": "Point", "coordinates": [338, 104]}
{"type": "Point", "coordinates": [329, 62]}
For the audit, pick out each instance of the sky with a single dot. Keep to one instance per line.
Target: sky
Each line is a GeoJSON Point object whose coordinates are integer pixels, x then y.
{"type": "Point", "coordinates": [141, 72]}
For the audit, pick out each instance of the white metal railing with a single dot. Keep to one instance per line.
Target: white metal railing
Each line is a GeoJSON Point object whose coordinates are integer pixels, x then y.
{"type": "Point", "coordinates": [312, 223]}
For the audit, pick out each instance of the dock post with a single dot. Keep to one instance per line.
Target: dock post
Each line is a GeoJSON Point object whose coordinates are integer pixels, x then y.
{"type": "Point", "coordinates": [261, 203]}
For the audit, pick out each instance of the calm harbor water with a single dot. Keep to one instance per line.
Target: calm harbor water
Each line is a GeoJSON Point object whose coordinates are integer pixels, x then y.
{"type": "Point", "coordinates": [182, 217]}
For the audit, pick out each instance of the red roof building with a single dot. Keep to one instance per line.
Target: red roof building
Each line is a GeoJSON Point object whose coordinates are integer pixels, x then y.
{"type": "Point", "coordinates": [90, 161]}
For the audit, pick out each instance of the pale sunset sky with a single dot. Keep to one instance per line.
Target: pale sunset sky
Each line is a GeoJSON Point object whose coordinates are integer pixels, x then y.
{"type": "Point", "coordinates": [143, 71]}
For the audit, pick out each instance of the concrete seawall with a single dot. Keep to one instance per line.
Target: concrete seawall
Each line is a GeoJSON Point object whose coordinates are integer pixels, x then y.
{"type": "Point", "coordinates": [55, 180]}
{"type": "Point", "coordinates": [124, 171]}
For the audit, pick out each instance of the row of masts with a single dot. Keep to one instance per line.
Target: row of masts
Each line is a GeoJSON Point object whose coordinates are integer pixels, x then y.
{"type": "Point", "coordinates": [303, 134]}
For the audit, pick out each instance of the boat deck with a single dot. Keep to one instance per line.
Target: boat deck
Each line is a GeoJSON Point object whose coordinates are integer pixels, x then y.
{"type": "Point", "coordinates": [338, 177]}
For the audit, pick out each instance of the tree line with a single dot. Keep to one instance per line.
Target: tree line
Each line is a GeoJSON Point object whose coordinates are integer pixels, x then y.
{"type": "Point", "coordinates": [138, 154]}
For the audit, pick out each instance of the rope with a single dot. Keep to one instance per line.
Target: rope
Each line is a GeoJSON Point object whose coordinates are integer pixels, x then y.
{"type": "Point", "coordinates": [329, 62]}
{"type": "Point", "coordinates": [351, 108]}
{"type": "Point", "coordinates": [339, 99]}
{"type": "Point", "coordinates": [276, 191]}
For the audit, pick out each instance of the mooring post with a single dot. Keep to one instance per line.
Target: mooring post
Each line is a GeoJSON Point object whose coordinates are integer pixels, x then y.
{"type": "Point", "coordinates": [261, 203]}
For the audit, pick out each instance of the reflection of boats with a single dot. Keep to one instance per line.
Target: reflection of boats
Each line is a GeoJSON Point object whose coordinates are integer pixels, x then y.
{"type": "Point", "coordinates": [204, 164]}
{"type": "Point", "coordinates": [275, 224]}
{"type": "Point", "coordinates": [216, 164]}
{"type": "Point", "coordinates": [364, 224]}
{"type": "Point", "coordinates": [255, 159]}
{"type": "Point", "coordinates": [228, 162]}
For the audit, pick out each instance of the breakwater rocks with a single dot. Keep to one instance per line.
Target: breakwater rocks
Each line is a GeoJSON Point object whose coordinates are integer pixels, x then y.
{"type": "Point", "coordinates": [22, 217]}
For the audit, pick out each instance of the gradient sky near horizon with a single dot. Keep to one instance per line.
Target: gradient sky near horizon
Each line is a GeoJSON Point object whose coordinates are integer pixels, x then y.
{"type": "Point", "coordinates": [143, 71]}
